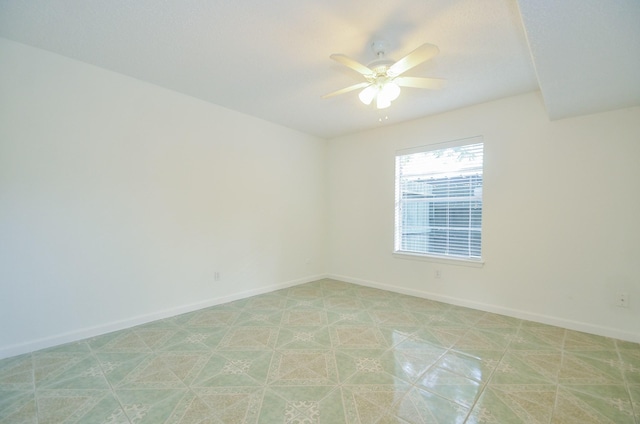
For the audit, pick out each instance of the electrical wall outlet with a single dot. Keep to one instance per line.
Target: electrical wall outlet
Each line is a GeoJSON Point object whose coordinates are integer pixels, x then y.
{"type": "Point", "coordinates": [623, 300]}
{"type": "Point", "coordinates": [437, 274]}
{"type": "Point", "coordinates": [216, 276]}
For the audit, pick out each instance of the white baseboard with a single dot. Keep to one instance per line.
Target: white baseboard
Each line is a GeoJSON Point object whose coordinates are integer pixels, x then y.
{"type": "Point", "coordinates": [84, 333]}
{"type": "Point", "coordinates": [496, 309]}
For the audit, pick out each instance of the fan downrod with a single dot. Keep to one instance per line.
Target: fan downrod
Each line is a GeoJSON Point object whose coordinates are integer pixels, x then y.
{"type": "Point", "coordinates": [380, 64]}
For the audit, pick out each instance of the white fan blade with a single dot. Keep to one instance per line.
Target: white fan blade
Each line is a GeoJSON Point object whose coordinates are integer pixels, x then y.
{"type": "Point", "coordinates": [430, 83]}
{"type": "Point", "coordinates": [416, 57]}
{"type": "Point", "coordinates": [347, 89]}
{"type": "Point", "coordinates": [356, 66]}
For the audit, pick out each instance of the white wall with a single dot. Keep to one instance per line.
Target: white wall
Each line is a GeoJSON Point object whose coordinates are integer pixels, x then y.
{"type": "Point", "coordinates": [119, 201]}
{"type": "Point", "coordinates": [561, 225]}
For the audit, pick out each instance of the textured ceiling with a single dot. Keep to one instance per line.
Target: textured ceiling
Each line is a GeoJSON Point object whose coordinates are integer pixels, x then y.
{"type": "Point", "coordinates": [586, 53]}
{"type": "Point", "coordinates": [270, 59]}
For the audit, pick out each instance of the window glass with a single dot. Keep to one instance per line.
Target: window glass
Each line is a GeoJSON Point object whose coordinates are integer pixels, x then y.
{"type": "Point", "coordinates": [439, 200]}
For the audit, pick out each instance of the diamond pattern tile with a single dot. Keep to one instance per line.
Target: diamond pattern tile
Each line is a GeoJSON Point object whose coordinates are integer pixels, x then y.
{"type": "Point", "coordinates": [328, 352]}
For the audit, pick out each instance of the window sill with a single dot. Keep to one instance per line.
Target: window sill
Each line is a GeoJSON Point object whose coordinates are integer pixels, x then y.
{"type": "Point", "coordinates": [479, 263]}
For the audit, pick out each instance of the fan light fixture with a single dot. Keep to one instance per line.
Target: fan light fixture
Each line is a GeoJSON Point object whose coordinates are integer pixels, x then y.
{"type": "Point", "coordinates": [383, 80]}
{"type": "Point", "coordinates": [384, 92]}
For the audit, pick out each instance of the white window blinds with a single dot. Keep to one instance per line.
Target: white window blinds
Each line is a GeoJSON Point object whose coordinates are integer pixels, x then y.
{"type": "Point", "coordinates": [439, 200]}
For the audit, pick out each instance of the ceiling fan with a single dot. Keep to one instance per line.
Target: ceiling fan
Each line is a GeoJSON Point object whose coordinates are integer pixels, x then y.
{"type": "Point", "coordinates": [383, 76]}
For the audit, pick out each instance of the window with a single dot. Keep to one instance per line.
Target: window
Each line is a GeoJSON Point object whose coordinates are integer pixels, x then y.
{"type": "Point", "coordinates": [439, 200]}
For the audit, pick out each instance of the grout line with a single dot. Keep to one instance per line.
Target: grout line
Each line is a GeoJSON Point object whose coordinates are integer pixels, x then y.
{"type": "Point", "coordinates": [623, 366]}
{"type": "Point", "coordinates": [484, 386]}
{"type": "Point", "coordinates": [104, 375]}
{"type": "Point", "coordinates": [33, 384]}
{"type": "Point", "coordinates": [562, 358]}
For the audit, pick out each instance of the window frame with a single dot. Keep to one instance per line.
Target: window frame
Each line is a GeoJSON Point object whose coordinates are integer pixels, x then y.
{"type": "Point", "coordinates": [398, 216]}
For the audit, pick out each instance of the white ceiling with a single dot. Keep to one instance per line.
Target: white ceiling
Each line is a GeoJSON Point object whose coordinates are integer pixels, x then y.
{"type": "Point", "coordinates": [270, 59]}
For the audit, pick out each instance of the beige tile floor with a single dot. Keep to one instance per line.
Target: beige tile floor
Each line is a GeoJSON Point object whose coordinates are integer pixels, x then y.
{"type": "Point", "coordinates": [328, 352]}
